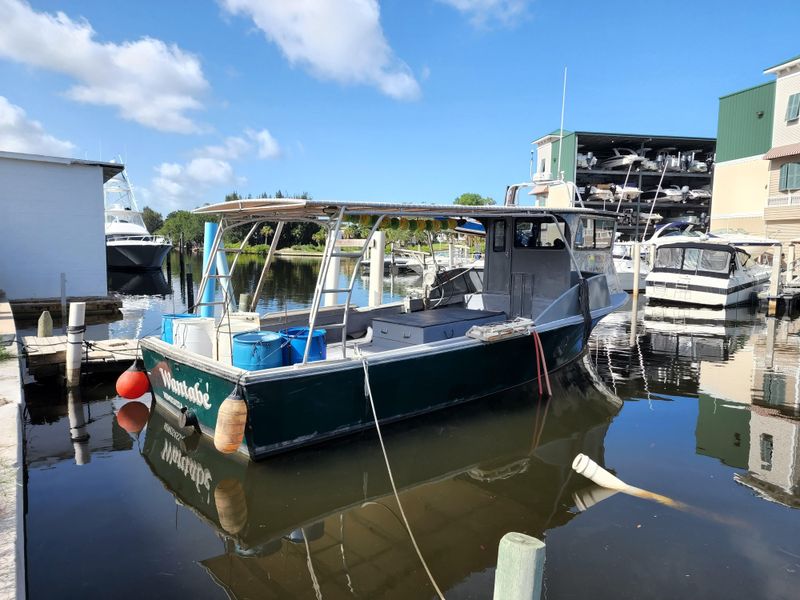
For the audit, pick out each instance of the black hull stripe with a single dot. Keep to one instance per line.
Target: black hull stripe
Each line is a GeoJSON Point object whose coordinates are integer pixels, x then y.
{"type": "Point", "coordinates": [705, 288]}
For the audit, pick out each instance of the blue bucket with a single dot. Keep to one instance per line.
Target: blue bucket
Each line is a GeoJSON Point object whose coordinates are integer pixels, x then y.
{"type": "Point", "coordinates": [297, 337]}
{"type": "Point", "coordinates": [166, 324]}
{"type": "Point", "coordinates": [256, 350]}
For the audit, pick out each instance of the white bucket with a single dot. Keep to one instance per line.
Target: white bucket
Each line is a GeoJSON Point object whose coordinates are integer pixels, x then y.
{"type": "Point", "coordinates": [195, 335]}
{"type": "Point", "coordinates": [239, 323]}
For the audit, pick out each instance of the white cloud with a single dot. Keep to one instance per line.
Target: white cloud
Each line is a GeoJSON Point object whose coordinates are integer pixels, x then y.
{"type": "Point", "coordinates": [341, 40]}
{"type": "Point", "coordinates": [18, 133]}
{"type": "Point", "coordinates": [482, 13]}
{"type": "Point", "coordinates": [235, 147]}
{"type": "Point", "coordinates": [177, 185]}
{"type": "Point", "coordinates": [267, 145]}
{"type": "Point", "coordinates": [149, 81]}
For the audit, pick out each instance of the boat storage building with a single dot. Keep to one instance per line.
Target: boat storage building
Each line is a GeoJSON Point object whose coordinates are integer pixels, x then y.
{"type": "Point", "coordinates": [53, 223]}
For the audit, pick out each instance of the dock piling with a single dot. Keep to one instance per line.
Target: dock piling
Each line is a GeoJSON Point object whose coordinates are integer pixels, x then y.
{"type": "Point", "coordinates": [75, 331]}
{"type": "Point", "coordinates": [774, 280]}
{"type": "Point", "coordinates": [63, 299]}
{"type": "Point", "coordinates": [44, 327]}
{"type": "Point", "coordinates": [376, 257]}
{"type": "Point", "coordinates": [520, 567]}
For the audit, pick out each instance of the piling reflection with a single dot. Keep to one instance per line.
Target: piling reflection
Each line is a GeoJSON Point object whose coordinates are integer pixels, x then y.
{"type": "Point", "coordinates": [744, 369]}
{"type": "Point", "coordinates": [465, 477]}
{"type": "Point", "coordinates": [78, 431]}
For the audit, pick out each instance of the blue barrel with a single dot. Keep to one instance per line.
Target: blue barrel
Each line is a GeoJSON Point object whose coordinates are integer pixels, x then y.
{"type": "Point", "coordinates": [166, 324]}
{"type": "Point", "coordinates": [297, 338]}
{"type": "Point", "coordinates": [256, 350]}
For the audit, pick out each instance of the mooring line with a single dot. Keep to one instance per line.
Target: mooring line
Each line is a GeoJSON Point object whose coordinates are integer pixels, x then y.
{"type": "Point", "coordinates": [368, 390]}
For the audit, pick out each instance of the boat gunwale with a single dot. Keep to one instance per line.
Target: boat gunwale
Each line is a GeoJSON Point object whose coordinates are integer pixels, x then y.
{"type": "Point", "coordinates": [236, 375]}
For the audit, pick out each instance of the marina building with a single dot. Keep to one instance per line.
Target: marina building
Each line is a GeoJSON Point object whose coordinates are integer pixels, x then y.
{"type": "Point", "coordinates": [53, 224]}
{"type": "Point", "coordinates": [621, 172]}
{"type": "Point", "coordinates": [757, 179]}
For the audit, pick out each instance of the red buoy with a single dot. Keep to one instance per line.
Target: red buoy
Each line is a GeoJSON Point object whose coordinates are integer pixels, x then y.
{"type": "Point", "coordinates": [133, 417]}
{"type": "Point", "coordinates": [133, 383]}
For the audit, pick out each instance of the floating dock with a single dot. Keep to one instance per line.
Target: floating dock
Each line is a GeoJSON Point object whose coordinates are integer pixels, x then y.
{"type": "Point", "coordinates": [47, 356]}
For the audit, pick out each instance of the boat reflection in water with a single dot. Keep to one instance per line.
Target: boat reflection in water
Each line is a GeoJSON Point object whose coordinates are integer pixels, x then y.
{"type": "Point", "coordinates": [743, 368]}
{"type": "Point", "coordinates": [325, 517]}
{"type": "Point", "coordinates": [138, 283]}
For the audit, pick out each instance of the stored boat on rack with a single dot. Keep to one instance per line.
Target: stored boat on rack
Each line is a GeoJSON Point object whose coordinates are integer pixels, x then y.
{"type": "Point", "coordinates": [548, 278]}
{"type": "Point", "coordinates": [621, 157]}
{"type": "Point", "coordinates": [710, 272]}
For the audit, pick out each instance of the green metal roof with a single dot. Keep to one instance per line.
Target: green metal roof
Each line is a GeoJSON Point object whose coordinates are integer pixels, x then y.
{"type": "Point", "coordinates": [745, 122]}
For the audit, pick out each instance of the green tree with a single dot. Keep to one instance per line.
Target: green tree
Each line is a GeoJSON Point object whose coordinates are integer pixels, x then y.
{"type": "Point", "coordinates": [186, 223]}
{"type": "Point", "coordinates": [473, 200]}
{"type": "Point", "coordinates": [152, 219]}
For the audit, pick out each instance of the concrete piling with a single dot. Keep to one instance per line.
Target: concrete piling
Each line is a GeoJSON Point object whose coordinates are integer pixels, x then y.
{"type": "Point", "coordinates": [75, 331]}
{"type": "Point", "coordinates": [45, 326]}
{"type": "Point", "coordinates": [244, 301]}
{"type": "Point", "coordinates": [520, 567]}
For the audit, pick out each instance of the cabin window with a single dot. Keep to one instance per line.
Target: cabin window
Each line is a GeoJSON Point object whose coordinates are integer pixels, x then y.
{"type": "Point", "coordinates": [691, 259]}
{"type": "Point", "coordinates": [541, 233]}
{"type": "Point", "coordinates": [789, 177]}
{"type": "Point", "coordinates": [594, 233]}
{"type": "Point", "coordinates": [669, 258]}
{"type": "Point", "coordinates": [793, 107]}
{"type": "Point", "coordinates": [499, 236]}
{"type": "Point", "coordinates": [715, 260]}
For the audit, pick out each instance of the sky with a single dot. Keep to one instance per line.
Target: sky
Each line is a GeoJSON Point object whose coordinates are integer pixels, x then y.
{"type": "Point", "coordinates": [397, 100]}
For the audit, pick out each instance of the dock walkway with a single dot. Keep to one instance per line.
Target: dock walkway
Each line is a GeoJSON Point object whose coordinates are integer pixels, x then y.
{"type": "Point", "coordinates": [46, 356]}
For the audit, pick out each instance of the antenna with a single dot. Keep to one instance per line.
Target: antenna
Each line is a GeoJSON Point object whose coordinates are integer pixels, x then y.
{"type": "Point", "coordinates": [561, 131]}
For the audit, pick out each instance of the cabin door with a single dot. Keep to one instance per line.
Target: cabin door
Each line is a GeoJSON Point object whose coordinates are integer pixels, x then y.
{"type": "Point", "coordinates": [497, 274]}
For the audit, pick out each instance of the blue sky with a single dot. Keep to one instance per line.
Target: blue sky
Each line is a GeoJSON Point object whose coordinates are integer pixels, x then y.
{"type": "Point", "coordinates": [414, 100]}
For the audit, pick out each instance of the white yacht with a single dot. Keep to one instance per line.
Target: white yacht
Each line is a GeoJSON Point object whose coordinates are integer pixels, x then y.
{"type": "Point", "coordinates": [706, 272]}
{"type": "Point", "coordinates": [128, 243]}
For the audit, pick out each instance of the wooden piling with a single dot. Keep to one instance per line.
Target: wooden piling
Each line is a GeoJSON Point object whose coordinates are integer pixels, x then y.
{"type": "Point", "coordinates": [520, 567]}
{"type": "Point", "coordinates": [63, 299]}
{"type": "Point", "coordinates": [45, 326]}
{"type": "Point", "coordinates": [75, 331]}
{"type": "Point", "coordinates": [189, 292]}
{"type": "Point", "coordinates": [774, 280]}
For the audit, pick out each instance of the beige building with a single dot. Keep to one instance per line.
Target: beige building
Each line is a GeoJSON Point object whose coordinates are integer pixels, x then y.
{"type": "Point", "coordinates": [757, 177]}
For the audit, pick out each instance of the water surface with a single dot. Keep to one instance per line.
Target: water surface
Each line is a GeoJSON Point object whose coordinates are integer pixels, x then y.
{"type": "Point", "coordinates": [697, 408]}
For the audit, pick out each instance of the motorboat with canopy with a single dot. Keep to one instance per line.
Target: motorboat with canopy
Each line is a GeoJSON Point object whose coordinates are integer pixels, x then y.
{"type": "Point", "coordinates": [548, 279]}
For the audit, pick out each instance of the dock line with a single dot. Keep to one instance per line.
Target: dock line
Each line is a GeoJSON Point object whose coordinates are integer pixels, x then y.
{"type": "Point", "coordinates": [368, 393]}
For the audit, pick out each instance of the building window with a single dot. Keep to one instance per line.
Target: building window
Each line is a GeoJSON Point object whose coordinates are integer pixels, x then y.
{"type": "Point", "coordinates": [793, 107]}
{"type": "Point", "coordinates": [789, 177]}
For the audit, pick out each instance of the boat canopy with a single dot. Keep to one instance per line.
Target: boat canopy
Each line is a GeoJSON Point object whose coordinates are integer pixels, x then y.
{"type": "Point", "coordinates": [297, 209]}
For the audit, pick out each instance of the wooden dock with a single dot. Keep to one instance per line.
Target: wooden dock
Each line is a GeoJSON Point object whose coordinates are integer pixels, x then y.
{"type": "Point", "coordinates": [46, 356]}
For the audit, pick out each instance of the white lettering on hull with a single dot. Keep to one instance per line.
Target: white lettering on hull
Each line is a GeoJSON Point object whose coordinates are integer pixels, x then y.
{"type": "Point", "coordinates": [189, 393]}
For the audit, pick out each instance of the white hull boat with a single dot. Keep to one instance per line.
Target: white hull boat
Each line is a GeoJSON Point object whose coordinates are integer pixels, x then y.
{"type": "Point", "coordinates": [705, 273]}
{"type": "Point", "coordinates": [129, 245]}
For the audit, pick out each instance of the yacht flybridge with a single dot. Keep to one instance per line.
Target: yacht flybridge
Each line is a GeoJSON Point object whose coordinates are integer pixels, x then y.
{"type": "Point", "coordinates": [128, 243]}
{"type": "Point", "coordinates": [548, 279]}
